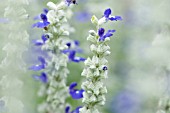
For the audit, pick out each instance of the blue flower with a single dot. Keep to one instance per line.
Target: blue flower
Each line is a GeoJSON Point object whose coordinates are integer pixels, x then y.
{"type": "Point", "coordinates": [126, 101]}
{"type": "Point", "coordinates": [42, 24]}
{"type": "Point", "coordinates": [72, 57]}
{"type": "Point", "coordinates": [67, 109]}
{"type": "Point", "coordinates": [43, 77]}
{"type": "Point", "coordinates": [76, 42]}
{"type": "Point", "coordinates": [4, 20]}
{"type": "Point", "coordinates": [72, 52]}
{"type": "Point", "coordinates": [39, 66]}
{"type": "Point", "coordinates": [75, 93]}
{"type": "Point", "coordinates": [107, 15]}
{"type": "Point", "coordinates": [41, 42]}
{"type": "Point", "coordinates": [103, 36]}
{"type": "Point", "coordinates": [82, 16]}
{"type": "Point", "coordinates": [45, 11]}
{"type": "Point", "coordinates": [68, 2]}
{"type": "Point", "coordinates": [105, 68]}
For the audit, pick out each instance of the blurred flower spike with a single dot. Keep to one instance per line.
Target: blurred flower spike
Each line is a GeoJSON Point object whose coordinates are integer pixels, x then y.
{"type": "Point", "coordinates": [67, 110]}
{"type": "Point", "coordinates": [75, 93]}
{"type": "Point", "coordinates": [103, 36]}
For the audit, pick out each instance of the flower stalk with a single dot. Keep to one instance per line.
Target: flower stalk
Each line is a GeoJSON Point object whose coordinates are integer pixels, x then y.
{"type": "Point", "coordinates": [96, 68]}
{"type": "Point", "coordinates": [54, 42]}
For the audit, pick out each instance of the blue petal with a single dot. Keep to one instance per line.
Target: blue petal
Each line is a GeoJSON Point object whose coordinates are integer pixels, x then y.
{"type": "Point", "coordinates": [105, 68]}
{"type": "Point", "coordinates": [72, 85]}
{"type": "Point", "coordinates": [76, 42]}
{"type": "Point", "coordinates": [43, 37]}
{"type": "Point", "coordinates": [102, 38]}
{"type": "Point", "coordinates": [38, 42]}
{"type": "Point", "coordinates": [68, 44]}
{"type": "Point", "coordinates": [67, 109]}
{"type": "Point", "coordinates": [42, 60]}
{"type": "Point", "coordinates": [72, 55]}
{"type": "Point", "coordinates": [43, 17]}
{"type": "Point", "coordinates": [37, 67]}
{"type": "Point", "coordinates": [116, 18]}
{"type": "Point", "coordinates": [41, 24]}
{"type": "Point", "coordinates": [68, 2]}
{"type": "Point", "coordinates": [76, 94]}
{"type": "Point", "coordinates": [101, 32]}
{"type": "Point", "coordinates": [107, 12]}
{"type": "Point", "coordinates": [78, 59]}
{"type": "Point", "coordinates": [43, 77]}
{"type": "Point", "coordinates": [66, 51]}
{"type": "Point", "coordinates": [45, 10]}
{"type": "Point", "coordinates": [112, 31]}
{"type": "Point", "coordinates": [109, 33]}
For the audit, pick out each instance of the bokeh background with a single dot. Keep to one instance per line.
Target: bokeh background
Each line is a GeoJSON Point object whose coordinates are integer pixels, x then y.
{"type": "Point", "coordinates": [139, 64]}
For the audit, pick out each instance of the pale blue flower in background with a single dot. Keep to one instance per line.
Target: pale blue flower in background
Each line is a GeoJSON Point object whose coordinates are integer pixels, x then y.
{"type": "Point", "coordinates": [126, 101]}
{"type": "Point", "coordinates": [4, 20]}
{"type": "Point", "coordinates": [82, 16]}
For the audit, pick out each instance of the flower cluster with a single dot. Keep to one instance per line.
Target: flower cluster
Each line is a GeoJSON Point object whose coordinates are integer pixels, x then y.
{"type": "Point", "coordinates": [96, 67]}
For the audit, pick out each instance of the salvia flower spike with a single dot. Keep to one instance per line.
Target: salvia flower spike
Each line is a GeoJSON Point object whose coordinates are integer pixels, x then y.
{"type": "Point", "coordinates": [55, 71]}
{"type": "Point", "coordinates": [96, 68]}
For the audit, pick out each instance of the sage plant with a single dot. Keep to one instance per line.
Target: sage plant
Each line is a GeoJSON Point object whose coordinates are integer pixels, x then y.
{"type": "Point", "coordinates": [12, 66]}
{"type": "Point", "coordinates": [96, 68]}
{"type": "Point", "coordinates": [55, 41]}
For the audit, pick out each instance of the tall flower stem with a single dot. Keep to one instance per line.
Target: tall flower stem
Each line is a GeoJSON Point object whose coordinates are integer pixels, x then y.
{"type": "Point", "coordinates": [56, 31]}
{"type": "Point", "coordinates": [96, 67]}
